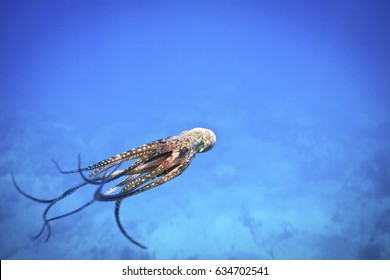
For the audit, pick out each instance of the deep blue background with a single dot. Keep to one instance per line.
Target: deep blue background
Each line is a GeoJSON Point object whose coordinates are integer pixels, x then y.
{"type": "Point", "coordinates": [297, 92]}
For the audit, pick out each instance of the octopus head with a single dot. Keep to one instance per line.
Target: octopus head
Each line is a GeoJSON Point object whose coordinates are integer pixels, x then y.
{"type": "Point", "coordinates": [205, 137]}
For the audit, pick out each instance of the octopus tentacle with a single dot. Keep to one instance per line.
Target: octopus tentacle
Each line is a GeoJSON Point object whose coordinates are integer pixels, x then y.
{"type": "Point", "coordinates": [134, 171]}
{"type": "Point", "coordinates": [96, 181]}
{"type": "Point", "coordinates": [27, 195]}
{"type": "Point", "coordinates": [62, 196]}
{"type": "Point", "coordinates": [141, 155]}
{"type": "Point", "coordinates": [103, 165]}
{"type": "Point", "coordinates": [134, 188]}
{"type": "Point", "coordinates": [53, 201]}
{"type": "Point", "coordinates": [176, 171]}
{"type": "Point", "coordinates": [46, 221]}
{"type": "Point", "coordinates": [121, 228]}
{"type": "Point", "coordinates": [131, 154]}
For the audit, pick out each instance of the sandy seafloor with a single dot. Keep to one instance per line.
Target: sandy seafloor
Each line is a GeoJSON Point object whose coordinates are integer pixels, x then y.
{"type": "Point", "coordinates": [306, 195]}
{"type": "Point", "coordinates": [297, 96]}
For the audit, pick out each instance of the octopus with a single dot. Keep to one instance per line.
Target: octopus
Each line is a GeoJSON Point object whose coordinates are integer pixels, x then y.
{"type": "Point", "coordinates": [153, 164]}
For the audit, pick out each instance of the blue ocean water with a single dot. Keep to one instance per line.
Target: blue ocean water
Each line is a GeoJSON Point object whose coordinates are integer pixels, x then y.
{"type": "Point", "coordinates": [297, 92]}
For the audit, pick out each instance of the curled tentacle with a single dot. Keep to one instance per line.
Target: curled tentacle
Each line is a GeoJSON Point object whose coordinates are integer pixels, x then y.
{"type": "Point", "coordinates": [53, 201]}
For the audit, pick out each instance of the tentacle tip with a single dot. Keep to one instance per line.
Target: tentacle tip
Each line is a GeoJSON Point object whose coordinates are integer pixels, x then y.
{"type": "Point", "coordinates": [141, 246]}
{"type": "Point", "coordinates": [34, 237]}
{"type": "Point", "coordinates": [137, 243]}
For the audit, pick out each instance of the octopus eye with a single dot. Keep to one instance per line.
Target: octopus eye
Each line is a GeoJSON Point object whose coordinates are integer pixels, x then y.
{"type": "Point", "coordinates": [206, 139]}
{"type": "Point", "coordinates": [204, 147]}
